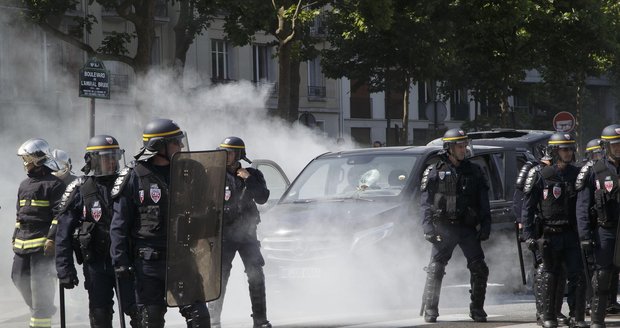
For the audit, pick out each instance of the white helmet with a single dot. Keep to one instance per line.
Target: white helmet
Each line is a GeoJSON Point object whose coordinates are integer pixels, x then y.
{"type": "Point", "coordinates": [64, 162]}
{"type": "Point", "coordinates": [37, 152]}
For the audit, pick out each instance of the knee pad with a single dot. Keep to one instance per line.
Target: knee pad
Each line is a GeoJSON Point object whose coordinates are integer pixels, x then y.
{"type": "Point", "coordinates": [436, 269]}
{"type": "Point", "coordinates": [601, 281]}
{"type": "Point", "coordinates": [153, 316]}
{"type": "Point", "coordinates": [479, 268]}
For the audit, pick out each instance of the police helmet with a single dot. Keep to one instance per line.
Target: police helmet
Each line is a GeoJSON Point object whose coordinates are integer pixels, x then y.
{"type": "Point", "coordinates": [102, 157]}
{"type": "Point", "coordinates": [560, 140]}
{"type": "Point", "coordinates": [236, 145]}
{"type": "Point", "coordinates": [156, 135]}
{"type": "Point", "coordinates": [610, 135]}
{"type": "Point", "coordinates": [454, 136]}
{"type": "Point", "coordinates": [64, 163]}
{"type": "Point", "coordinates": [36, 151]}
{"type": "Point", "coordinates": [593, 147]}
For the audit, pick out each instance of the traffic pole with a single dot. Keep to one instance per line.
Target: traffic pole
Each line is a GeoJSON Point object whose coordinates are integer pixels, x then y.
{"type": "Point", "coordinates": [92, 117]}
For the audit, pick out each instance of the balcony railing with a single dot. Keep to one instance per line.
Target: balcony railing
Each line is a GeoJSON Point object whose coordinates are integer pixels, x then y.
{"type": "Point", "coordinates": [317, 91]}
{"type": "Point", "coordinates": [216, 80]}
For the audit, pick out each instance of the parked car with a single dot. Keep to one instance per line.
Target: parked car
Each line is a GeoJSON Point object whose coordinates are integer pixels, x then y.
{"type": "Point", "coordinates": [358, 208]}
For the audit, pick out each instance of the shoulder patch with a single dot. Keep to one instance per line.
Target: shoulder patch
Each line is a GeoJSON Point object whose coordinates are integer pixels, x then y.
{"type": "Point", "coordinates": [424, 181]}
{"type": "Point", "coordinates": [531, 179]}
{"type": "Point", "coordinates": [583, 175]}
{"type": "Point", "coordinates": [120, 182]}
{"type": "Point", "coordinates": [68, 194]}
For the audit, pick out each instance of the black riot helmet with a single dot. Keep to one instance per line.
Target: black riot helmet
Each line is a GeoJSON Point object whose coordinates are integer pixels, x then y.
{"type": "Point", "coordinates": [610, 135]}
{"type": "Point", "coordinates": [593, 149]}
{"type": "Point", "coordinates": [156, 135]}
{"type": "Point", "coordinates": [455, 136]}
{"type": "Point", "coordinates": [235, 144]}
{"type": "Point", "coordinates": [560, 140]}
{"type": "Point", "coordinates": [102, 157]}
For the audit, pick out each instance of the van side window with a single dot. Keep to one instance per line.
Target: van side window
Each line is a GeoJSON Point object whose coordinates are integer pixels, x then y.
{"type": "Point", "coordinates": [495, 186]}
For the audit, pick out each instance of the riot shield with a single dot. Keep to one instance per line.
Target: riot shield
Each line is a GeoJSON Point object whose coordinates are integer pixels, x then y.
{"type": "Point", "coordinates": [193, 261]}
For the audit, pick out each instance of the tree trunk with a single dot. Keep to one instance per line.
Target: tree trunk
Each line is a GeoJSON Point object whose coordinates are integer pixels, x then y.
{"type": "Point", "coordinates": [145, 31]}
{"type": "Point", "coordinates": [182, 41]}
{"type": "Point", "coordinates": [404, 132]}
{"type": "Point", "coordinates": [504, 109]}
{"type": "Point", "coordinates": [295, 78]}
{"type": "Point", "coordinates": [284, 80]}
{"type": "Point", "coordinates": [580, 83]}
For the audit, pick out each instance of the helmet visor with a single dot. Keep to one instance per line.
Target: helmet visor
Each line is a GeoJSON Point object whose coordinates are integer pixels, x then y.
{"type": "Point", "coordinates": [105, 162]}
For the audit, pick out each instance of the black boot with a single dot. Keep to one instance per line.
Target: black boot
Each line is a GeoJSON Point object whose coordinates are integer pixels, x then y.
{"type": "Point", "coordinates": [256, 281]}
{"type": "Point", "coordinates": [196, 315]}
{"type": "Point", "coordinates": [134, 317]}
{"type": "Point", "coordinates": [101, 317]}
{"type": "Point", "coordinates": [612, 304]}
{"type": "Point", "coordinates": [559, 299]}
{"type": "Point", "coordinates": [479, 274]}
{"type": "Point", "coordinates": [548, 285]}
{"type": "Point", "coordinates": [432, 288]}
{"type": "Point", "coordinates": [600, 287]}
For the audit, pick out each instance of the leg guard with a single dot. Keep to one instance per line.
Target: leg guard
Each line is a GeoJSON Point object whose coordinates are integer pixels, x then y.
{"type": "Point", "coordinates": [601, 281]}
{"type": "Point", "coordinates": [256, 282]}
{"type": "Point", "coordinates": [134, 317]}
{"type": "Point", "coordinates": [101, 317]}
{"type": "Point", "coordinates": [548, 286]}
{"type": "Point", "coordinates": [479, 276]}
{"type": "Point", "coordinates": [579, 302]}
{"type": "Point", "coordinates": [435, 272]}
{"type": "Point", "coordinates": [153, 316]}
{"type": "Point", "coordinates": [196, 315]}
{"type": "Point", "coordinates": [538, 293]}
{"type": "Point", "coordinates": [612, 304]}
{"type": "Point", "coordinates": [559, 299]}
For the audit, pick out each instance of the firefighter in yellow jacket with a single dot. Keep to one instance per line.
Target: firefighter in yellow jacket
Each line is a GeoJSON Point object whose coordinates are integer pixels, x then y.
{"type": "Point", "coordinates": [33, 240]}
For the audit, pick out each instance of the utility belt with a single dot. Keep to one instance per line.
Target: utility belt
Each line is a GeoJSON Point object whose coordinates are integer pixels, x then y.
{"type": "Point", "coordinates": [556, 229]}
{"type": "Point", "coordinates": [469, 217]}
{"type": "Point", "coordinates": [150, 254]}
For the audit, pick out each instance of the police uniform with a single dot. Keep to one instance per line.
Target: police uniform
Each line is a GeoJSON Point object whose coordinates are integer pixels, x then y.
{"type": "Point", "coordinates": [454, 201]}
{"type": "Point", "coordinates": [550, 193]}
{"type": "Point", "coordinates": [598, 189]}
{"type": "Point", "coordinates": [87, 216]}
{"type": "Point", "coordinates": [138, 231]}
{"type": "Point", "coordinates": [240, 222]}
{"type": "Point", "coordinates": [38, 200]}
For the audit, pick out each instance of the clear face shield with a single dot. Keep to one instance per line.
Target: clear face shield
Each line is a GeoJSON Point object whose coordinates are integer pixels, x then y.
{"type": "Point", "coordinates": [612, 149]}
{"type": "Point", "coordinates": [106, 162]}
{"type": "Point", "coordinates": [461, 150]}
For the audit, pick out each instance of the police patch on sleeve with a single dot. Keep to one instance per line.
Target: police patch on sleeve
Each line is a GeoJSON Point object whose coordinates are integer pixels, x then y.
{"type": "Point", "coordinates": [424, 181]}
{"type": "Point", "coordinates": [68, 194]}
{"type": "Point", "coordinates": [583, 175]}
{"type": "Point", "coordinates": [530, 180]}
{"type": "Point", "coordinates": [120, 182]}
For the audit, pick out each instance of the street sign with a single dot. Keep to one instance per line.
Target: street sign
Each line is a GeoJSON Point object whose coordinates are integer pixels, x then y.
{"type": "Point", "coordinates": [564, 122]}
{"type": "Point", "coordinates": [436, 111]}
{"type": "Point", "coordinates": [94, 80]}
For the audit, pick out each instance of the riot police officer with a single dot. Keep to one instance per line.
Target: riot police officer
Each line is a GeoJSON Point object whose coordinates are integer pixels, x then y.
{"type": "Point", "coordinates": [594, 151]}
{"type": "Point", "coordinates": [38, 198]}
{"type": "Point", "coordinates": [455, 211]}
{"type": "Point", "coordinates": [86, 213]}
{"type": "Point", "coordinates": [138, 231]}
{"type": "Point", "coordinates": [550, 193]}
{"type": "Point", "coordinates": [64, 163]}
{"type": "Point", "coordinates": [598, 188]}
{"type": "Point", "coordinates": [245, 187]}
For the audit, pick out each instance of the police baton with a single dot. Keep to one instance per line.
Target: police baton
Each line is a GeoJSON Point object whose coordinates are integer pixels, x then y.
{"type": "Point", "coordinates": [520, 251]}
{"type": "Point", "coordinates": [119, 300]}
{"type": "Point", "coordinates": [61, 293]}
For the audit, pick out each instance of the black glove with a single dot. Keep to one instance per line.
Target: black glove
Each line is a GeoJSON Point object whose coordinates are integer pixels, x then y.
{"type": "Point", "coordinates": [432, 237]}
{"type": "Point", "coordinates": [69, 282]}
{"type": "Point", "coordinates": [587, 246]}
{"type": "Point", "coordinates": [532, 244]}
{"type": "Point", "coordinates": [123, 272]}
{"type": "Point", "coordinates": [483, 235]}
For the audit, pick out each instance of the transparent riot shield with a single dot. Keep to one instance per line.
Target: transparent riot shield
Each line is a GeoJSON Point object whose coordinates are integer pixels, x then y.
{"type": "Point", "coordinates": [193, 261]}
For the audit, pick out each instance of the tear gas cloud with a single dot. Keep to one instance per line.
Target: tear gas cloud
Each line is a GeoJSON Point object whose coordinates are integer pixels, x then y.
{"type": "Point", "coordinates": [53, 111]}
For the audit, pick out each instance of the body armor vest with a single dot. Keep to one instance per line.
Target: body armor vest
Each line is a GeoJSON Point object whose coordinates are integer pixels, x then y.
{"type": "Point", "coordinates": [606, 194]}
{"type": "Point", "coordinates": [94, 229]}
{"type": "Point", "coordinates": [559, 195]}
{"type": "Point", "coordinates": [455, 198]}
{"type": "Point", "coordinates": [152, 201]}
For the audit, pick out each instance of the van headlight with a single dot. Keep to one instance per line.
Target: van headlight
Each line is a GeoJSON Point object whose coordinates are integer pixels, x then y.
{"type": "Point", "coordinates": [372, 235]}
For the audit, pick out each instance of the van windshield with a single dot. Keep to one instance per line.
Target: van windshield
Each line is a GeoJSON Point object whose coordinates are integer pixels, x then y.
{"type": "Point", "coordinates": [356, 176]}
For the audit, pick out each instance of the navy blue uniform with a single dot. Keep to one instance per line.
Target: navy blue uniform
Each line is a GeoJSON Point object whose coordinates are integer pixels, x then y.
{"type": "Point", "coordinates": [550, 194]}
{"type": "Point", "coordinates": [598, 209]}
{"type": "Point", "coordinates": [86, 216]}
{"type": "Point", "coordinates": [38, 200]}
{"type": "Point", "coordinates": [139, 234]}
{"type": "Point", "coordinates": [240, 222]}
{"type": "Point", "coordinates": [453, 203]}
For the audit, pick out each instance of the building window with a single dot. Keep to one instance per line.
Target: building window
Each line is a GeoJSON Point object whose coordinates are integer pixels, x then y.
{"type": "Point", "coordinates": [261, 55]}
{"type": "Point", "coordinates": [316, 80]}
{"type": "Point", "coordinates": [220, 69]}
{"type": "Point", "coordinates": [459, 105]}
{"type": "Point", "coordinates": [361, 136]}
{"type": "Point", "coordinates": [156, 51]}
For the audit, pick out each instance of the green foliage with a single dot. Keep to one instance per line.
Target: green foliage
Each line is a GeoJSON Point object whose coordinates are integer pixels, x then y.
{"type": "Point", "coordinates": [39, 10]}
{"type": "Point", "coordinates": [115, 44]}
